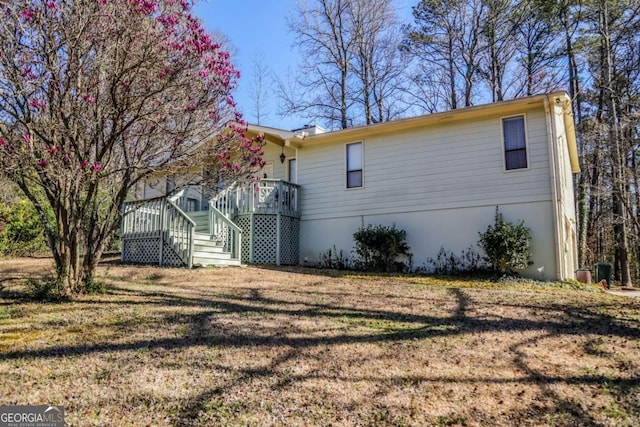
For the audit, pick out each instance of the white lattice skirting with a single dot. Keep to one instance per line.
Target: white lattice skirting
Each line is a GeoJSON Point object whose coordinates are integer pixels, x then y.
{"type": "Point", "coordinates": [146, 250]}
{"type": "Point", "coordinates": [260, 243]}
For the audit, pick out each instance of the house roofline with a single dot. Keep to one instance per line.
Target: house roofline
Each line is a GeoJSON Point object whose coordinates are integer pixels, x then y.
{"type": "Point", "coordinates": [272, 135]}
{"type": "Point", "coordinates": [452, 116]}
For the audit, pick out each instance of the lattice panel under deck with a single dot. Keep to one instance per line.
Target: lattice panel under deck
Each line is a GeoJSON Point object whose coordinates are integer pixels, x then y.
{"type": "Point", "coordinates": [141, 251]}
{"type": "Point", "coordinates": [244, 222]}
{"type": "Point", "coordinates": [170, 258]}
{"type": "Point", "coordinates": [147, 251]}
{"type": "Point", "coordinates": [289, 240]}
{"type": "Point", "coordinates": [264, 239]}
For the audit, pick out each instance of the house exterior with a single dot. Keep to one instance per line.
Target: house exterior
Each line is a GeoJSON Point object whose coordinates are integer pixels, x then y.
{"type": "Point", "coordinates": [439, 177]}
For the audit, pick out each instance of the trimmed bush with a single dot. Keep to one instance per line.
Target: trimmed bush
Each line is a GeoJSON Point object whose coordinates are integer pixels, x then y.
{"type": "Point", "coordinates": [507, 246]}
{"type": "Point", "coordinates": [382, 249]}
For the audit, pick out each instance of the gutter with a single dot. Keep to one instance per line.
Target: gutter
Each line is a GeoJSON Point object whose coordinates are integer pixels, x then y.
{"type": "Point", "coordinates": [555, 193]}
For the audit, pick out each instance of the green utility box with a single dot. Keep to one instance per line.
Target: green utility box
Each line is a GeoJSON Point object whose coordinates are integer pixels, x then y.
{"type": "Point", "coordinates": [603, 271]}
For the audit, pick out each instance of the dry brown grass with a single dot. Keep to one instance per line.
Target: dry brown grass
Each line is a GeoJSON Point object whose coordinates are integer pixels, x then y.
{"type": "Point", "coordinates": [262, 347]}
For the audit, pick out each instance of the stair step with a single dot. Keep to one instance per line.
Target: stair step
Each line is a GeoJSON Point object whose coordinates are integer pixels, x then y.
{"type": "Point", "coordinates": [210, 249]}
{"type": "Point", "coordinates": [204, 262]}
{"type": "Point", "coordinates": [206, 251]}
{"type": "Point", "coordinates": [205, 240]}
{"type": "Point", "coordinates": [201, 218]}
{"type": "Point", "coordinates": [205, 237]}
{"type": "Point", "coordinates": [198, 215]}
{"type": "Point", "coordinates": [211, 255]}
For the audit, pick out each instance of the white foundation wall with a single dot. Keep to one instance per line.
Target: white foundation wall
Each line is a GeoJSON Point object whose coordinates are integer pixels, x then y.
{"type": "Point", "coordinates": [428, 231]}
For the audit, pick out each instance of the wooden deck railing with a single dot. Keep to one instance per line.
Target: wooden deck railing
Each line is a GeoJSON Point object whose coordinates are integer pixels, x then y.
{"type": "Point", "coordinates": [267, 196]}
{"type": "Point", "coordinates": [159, 218]}
{"type": "Point", "coordinates": [179, 232]}
{"type": "Point", "coordinates": [226, 231]}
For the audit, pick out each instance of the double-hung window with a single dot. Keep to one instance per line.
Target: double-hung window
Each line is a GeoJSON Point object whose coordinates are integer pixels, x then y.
{"type": "Point", "coordinates": [515, 143]}
{"type": "Point", "coordinates": [354, 165]}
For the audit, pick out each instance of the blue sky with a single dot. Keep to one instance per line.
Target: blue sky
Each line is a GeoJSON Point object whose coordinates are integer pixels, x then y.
{"type": "Point", "coordinates": [259, 27]}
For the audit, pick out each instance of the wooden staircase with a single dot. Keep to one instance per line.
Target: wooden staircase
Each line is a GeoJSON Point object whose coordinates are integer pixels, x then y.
{"type": "Point", "coordinates": [207, 250]}
{"type": "Point", "coordinates": [159, 231]}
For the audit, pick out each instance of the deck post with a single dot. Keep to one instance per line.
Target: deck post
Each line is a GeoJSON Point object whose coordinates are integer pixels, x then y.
{"type": "Point", "coordinates": [163, 207]}
{"type": "Point", "coordinates": [123, 227]}
{"type": "Point", "coordinates": [278, 235]}
{"type": "Point", "coordinates": [252, 237]}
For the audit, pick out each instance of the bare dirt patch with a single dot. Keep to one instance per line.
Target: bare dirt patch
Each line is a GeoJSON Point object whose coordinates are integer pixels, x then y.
{"type": "Point", "coordinates": [297, 347]}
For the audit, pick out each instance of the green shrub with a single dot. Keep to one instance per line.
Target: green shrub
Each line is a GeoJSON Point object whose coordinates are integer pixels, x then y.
{"type": "Point", "coordinates": [506, 245]}
{"type": "Point", "coordinates": [45, 290]}
{"type": "Point", "coordinates": [21, 231]}
{"type": "Point", "coordinates": [378, 248]}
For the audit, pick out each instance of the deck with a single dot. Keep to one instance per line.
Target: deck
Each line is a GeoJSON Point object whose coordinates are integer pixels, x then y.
{"type": "Point", "coordinates": [267, 213]}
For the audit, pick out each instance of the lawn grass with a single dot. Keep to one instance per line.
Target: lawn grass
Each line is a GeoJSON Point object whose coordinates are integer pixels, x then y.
{"type": "Point", "coordinates": [298, 347]}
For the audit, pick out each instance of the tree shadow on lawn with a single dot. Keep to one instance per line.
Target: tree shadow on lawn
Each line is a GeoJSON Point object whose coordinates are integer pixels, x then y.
{"type": "Point", "coordinates": [581, 321]}
{"type": "Point", "coordinates": [335, 273]}
{"type": "Point", "coordinates": [204, 328]}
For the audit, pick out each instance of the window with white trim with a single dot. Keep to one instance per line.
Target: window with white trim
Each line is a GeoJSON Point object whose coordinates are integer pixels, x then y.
{"type": "Point", "coordinates": [515, 143]}
{"type": "Point", "coordinates": [354, 165]}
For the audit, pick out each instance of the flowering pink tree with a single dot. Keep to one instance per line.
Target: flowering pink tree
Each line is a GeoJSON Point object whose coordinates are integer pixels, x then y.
{"type": "Point", "coordinates": [97, 94]}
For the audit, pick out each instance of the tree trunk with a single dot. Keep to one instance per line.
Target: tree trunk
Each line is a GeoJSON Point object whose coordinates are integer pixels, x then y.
{"type": "Point", "coordinates": [452, 75]}
{"type": "Point", "coordinates": [617, 160]}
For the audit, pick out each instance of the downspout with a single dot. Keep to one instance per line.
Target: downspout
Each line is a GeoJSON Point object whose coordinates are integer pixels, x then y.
{"type": "Point", "coordinates": [555, 192]}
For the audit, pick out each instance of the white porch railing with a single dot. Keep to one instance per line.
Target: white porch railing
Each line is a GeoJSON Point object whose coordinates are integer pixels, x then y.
{"type": "Point", "coordinates": [226, 231]}
{"type": "Point", "coordinates": [179, 233]}
{"type": "Point", "coordinates": [161, 219]}
{"type": "Point", "coordinates": [267, 196]}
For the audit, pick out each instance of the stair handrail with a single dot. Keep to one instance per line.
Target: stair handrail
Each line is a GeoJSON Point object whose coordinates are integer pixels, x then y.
{"type": "Point", "coordinates": [219, 224]}
{"type": "Point", "coordinates": [179, 231]}
{"type": "Point", "coordinates": [177, 197]}
{"type": "Point", "coordinates": [226, 201]}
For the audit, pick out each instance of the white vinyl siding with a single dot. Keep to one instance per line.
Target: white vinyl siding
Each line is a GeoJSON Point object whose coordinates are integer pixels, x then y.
{"type": "Point", "coordinates": [272, 154]}
{"type": "Point", "coordinates": [438, 167]}
{"type": "Point", "coordinates": [355, 165]}
{"type": "Point", "coordinates": [515, 143]}
{"type": "Point", "coordinates": [441, 183]}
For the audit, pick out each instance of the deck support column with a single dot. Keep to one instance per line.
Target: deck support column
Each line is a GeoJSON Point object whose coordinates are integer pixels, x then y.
{"type": "Point", "coordinates": [278, 233]}
{"type": "Point", "coordinates": [163, 209]}
{"type": "Point", "coordinates": [252, 237]}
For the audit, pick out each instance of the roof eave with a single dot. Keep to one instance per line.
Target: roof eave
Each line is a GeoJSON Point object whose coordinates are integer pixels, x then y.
{"type": "Point", "coordinates": [466, 113]}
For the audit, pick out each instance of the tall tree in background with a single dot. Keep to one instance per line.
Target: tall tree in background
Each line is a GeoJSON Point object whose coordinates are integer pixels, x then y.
{"type": "Point", "coordinates": [434, 41]}
{"type": "Point", "coordinates": [259, 91]}
{"type": "Point", "coordinates": [537, 46]}
{"type": "Point", "coordinates": [351, 72]}
{"type": "Point", "coordinates": [378, 64]}
{"type": "Point", "coordinates": [327, 44]}
{"type": "Point", "coordinates": [498, 36]}
{"type": "Point", "coordinates": [447, 38]}
{"type": "Point", "coordinates": [94, 96]}
{"type": "Point", "coordinates": [612, 50]}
